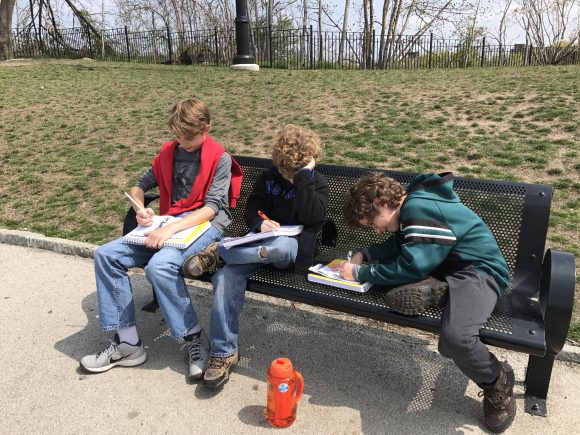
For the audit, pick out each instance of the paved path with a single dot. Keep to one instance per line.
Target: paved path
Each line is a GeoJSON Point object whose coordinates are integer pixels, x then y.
{"type": "Point", "coordinates": [361, 376]}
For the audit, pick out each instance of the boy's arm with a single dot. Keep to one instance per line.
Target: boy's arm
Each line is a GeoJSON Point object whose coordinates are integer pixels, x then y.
{"type": "Point", "coordinates": [381, 251]}
{"type": "Point", "coordinates": [424, 248]}
{"type": "Point", "coordinates": [216, 197]}
{"type": "Point", "coordinates": [311, 197]}
{"type": "Point", "coordinates": [415, 263]}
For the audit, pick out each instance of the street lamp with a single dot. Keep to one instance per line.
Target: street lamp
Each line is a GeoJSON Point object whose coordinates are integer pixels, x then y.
{"type": "Point", "coordinates": [243, 60]}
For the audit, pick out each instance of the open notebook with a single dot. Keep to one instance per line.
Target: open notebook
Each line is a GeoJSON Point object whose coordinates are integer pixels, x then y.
{"type": "Point", "coordinates": [325, 274]}
{"type": "Point", "coordinates": [284, 230]}
{"type": "Point", "coordinates": [181, 239]}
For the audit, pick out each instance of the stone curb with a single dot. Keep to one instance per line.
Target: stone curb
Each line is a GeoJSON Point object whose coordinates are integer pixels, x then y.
{"type": "Point", "coordinates": [570, 352]}
{"type": "Point", "coordinates": [39, 241]}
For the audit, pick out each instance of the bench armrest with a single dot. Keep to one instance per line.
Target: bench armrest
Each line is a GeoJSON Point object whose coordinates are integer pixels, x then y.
{"type": "Point", "coordinates": [557, 296]}
{"type": "Point", "coordinates": [131, 218]}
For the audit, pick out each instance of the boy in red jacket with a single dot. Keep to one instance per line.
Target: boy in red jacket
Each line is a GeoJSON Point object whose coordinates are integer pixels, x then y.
{"type": "Point", "coordinates": [198, 181]}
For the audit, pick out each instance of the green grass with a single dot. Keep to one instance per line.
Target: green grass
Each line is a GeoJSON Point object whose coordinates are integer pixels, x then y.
{"type": "Point", "coordinates": [75, 134]}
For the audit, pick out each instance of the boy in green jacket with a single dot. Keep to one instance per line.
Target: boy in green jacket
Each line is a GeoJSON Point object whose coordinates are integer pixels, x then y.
{"type": "Point", "coordinates": [435, 235]}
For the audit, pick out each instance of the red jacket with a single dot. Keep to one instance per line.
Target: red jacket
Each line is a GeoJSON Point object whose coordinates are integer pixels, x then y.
{"type": "Point", "coordinates": [211, 152]}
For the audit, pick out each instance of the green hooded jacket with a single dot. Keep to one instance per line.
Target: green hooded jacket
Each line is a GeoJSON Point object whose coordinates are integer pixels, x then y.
{"type": "Point", "coordinates": [437, 234]}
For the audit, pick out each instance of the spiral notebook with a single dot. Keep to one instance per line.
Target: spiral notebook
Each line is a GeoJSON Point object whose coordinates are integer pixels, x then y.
{"type": "Point", "coordinates": [181, 239]}
{"type": "Point", "coordinates": [325, 274]}
{"type": "Point", "coordinates": [284, 230]}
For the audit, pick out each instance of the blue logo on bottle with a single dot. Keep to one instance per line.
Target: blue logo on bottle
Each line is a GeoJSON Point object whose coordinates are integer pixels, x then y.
{"type": "Point", "coordinates": [283, 388]}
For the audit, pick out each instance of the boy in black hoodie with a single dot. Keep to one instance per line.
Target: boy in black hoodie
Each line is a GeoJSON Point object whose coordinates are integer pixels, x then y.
{"type": "Point", "coordinates": [289, 193]}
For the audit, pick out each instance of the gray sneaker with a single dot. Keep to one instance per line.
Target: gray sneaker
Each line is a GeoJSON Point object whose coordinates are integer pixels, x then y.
{"type": "Point", "coordinates": [198, 354]}
{"type": "Point", "coordinates": [117, 354]}
{"type": "Point", "coordinates": [413, 299]}
{"type": "Point", "coordinates": [205, 261]}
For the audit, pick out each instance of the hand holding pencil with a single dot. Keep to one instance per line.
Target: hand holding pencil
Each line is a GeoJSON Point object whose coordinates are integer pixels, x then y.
{"type": "Point", "coordinates": [144, 215]}
{"type": "Point", "coordinates": [267, 224]}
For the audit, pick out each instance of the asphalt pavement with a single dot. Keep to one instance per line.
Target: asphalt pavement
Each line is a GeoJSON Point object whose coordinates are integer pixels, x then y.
{"type": "Point", "coordinates": [361, 376]}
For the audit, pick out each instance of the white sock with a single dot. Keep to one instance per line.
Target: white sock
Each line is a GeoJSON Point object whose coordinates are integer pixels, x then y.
{"type": "Point", "coordinates": [129, 335]}
{"type": "Point", "coordinates": [194, 330]}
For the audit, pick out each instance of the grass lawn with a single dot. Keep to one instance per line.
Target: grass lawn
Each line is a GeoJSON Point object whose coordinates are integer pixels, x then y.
{"type": "Point", "coordinates": [75, 134]}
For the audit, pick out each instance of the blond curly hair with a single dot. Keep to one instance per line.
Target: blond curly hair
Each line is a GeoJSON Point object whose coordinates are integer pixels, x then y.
{"type": "Point", "coordinates": [188, 118]}
{"type": "Point", "coordinates": [367, 195]}
{"type": "Point", "coordinates": [294, 148]}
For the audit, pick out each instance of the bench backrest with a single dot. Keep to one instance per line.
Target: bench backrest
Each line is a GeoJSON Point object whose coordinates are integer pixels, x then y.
{"type": "Point", "coordinates": [516, 213]}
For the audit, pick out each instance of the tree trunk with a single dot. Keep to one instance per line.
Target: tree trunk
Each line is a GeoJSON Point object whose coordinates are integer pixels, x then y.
{"type": "Point", "coordinates": [344, 30]}
{"type": "Point", "coordinates": [6, 10]}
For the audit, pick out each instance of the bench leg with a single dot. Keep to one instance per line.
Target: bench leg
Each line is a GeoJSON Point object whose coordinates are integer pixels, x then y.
{"type": "Point", "coordinates": [152, 306]}
{"type": "Point", "coordinates": [537, 382]}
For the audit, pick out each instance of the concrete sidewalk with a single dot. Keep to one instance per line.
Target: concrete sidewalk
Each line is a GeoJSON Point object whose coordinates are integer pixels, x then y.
{"type": "Point", "coordinates": [360, 376]}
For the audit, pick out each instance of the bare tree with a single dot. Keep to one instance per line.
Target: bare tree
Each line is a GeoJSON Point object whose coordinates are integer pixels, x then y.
{"type": "Point", "coordinates": [548, 28]}
{"type": "Point", "coordinates": [6, 11]}
{"type": "Point", "coordinates": [400, 13]}
{"type": "Point", "coordinates": [344, 30]}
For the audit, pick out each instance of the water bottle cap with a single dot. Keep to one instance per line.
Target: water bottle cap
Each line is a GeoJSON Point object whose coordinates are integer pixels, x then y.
{"type": "Point", "coordinates": [281, 368]}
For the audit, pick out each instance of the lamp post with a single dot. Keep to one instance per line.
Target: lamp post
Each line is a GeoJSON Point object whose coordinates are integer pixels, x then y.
{"type": "Point", "coordinates": [243, 60]}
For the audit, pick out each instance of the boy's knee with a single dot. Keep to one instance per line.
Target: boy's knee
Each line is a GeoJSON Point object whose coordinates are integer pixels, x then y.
{"type": "Point", "coordinates": [453, 344]}
{"type": "Point", "coordinates": [158, 266]}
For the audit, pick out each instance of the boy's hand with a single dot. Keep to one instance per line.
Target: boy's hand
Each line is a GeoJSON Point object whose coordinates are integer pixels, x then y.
{"type": "Point", "coordinates": [345, 269]}
{"type": "Point", "coordinates": [268, 225]}
{"type": "Point", "coordinates": [311, 164]}
{"type": "Point", "coordinates": [157, 238]}
{"type": "Point", "coordinates": [357, 258]}
{"type": "Point", "coordinates": [145, 217]}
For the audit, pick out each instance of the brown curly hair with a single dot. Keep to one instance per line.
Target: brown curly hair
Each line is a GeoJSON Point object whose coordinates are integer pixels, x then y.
{"type": "Point", "coordinates": [368, 194]}
{"type": "Point", "coordinates": [294, 148]}
{"type": "Point", "coordinates": [188, 118]}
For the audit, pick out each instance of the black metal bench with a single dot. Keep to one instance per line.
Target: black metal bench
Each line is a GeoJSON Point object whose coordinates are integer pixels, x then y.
{"type": "Point", "coordinates": [534, 315]}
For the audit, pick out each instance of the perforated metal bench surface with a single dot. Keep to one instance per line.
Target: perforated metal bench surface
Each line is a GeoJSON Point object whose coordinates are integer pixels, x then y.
{"type": "Point", "coordinates": [500, 204]}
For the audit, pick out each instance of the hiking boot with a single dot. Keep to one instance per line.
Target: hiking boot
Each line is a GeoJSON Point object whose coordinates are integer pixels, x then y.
{"type": "Point", "coordinates": [198, 355]}
{"type": "Point", "coordinates": [499, 404]}
{"type": "Point", "coordinates": [218, 370]}
{"type": "Point", "coordinates": [205, 261]}
{"type": "Point", "coordinates": [119, 353]}
{"type": "Point", "coordinates": [413, 299]}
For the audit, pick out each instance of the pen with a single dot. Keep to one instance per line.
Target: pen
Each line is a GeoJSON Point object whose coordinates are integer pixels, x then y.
{"type": "Point", "coordinates": [135, 203]}
{"type": "Point", "coordinates": [263, 216]}
{"type": "Point", "coordinates": [349, 256]}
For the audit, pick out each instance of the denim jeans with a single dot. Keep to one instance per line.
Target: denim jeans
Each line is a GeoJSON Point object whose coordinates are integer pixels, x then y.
{"type": "Point", "coordinates": [229, 286]}
{"type": "Point", "coordinates": [114, 290]}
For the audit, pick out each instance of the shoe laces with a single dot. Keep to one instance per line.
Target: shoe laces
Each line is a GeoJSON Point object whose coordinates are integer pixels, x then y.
{"type": "Point", "coordinates": [109, 350]}
{"type": "Point", "coordinates": [494, 397]}
{"type": "Point", "coordinates": [216, 363]}
{"type": "Point", "coordinates": [194, 350]}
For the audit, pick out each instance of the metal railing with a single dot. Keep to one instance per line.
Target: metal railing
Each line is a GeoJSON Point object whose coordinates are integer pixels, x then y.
{"type": "Point", "coordinates": [294, 49]}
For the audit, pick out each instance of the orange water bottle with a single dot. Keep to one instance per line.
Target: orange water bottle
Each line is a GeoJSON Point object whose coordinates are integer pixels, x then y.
{"type": "Point", "coordinates": [285, 387]}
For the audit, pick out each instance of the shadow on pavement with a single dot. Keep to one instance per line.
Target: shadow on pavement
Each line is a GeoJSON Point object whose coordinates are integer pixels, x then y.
{"type": "Point", "coordinates": [389, 378]}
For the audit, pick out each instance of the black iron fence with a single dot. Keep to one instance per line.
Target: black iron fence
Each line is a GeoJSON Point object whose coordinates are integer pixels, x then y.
{"type": "Point", "coordinates": [295, 48]}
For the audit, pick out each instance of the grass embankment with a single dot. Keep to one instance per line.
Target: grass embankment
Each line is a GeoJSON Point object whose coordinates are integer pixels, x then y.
{"type": "Point", "coordinates": [75, 134]}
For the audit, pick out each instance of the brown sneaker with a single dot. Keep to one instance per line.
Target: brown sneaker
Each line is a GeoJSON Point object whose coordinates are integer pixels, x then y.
{"type": "Point", "coordinates": [413, 299]}
{"type": "Point", "coordinates": [499, 404]}
{"type": "Point", "coordinates": [203, 262]}
{"type": "Point", "coordinates": [217, 372]}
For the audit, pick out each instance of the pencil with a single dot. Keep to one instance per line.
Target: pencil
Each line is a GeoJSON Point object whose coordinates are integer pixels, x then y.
{"type": "Point", "coordinates": [135, 203]}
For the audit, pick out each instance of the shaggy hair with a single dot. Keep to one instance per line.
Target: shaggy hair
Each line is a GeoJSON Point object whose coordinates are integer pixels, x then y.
{"type": "Point", "coordinates": [189, 118]}
{"type": "Point", "coordinates": [371, 192]}
{"type": "Point", "coordinates": [294, 148]}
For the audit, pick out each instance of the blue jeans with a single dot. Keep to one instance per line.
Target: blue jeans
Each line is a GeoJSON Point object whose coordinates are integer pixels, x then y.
{"type": "Point", "coordinates": [229, 286]}
{"type": "Point", "coordinates": [114, 290]}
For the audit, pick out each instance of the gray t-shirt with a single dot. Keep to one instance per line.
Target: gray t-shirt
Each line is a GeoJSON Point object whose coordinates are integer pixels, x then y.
{"type": "Point", "coordinates": [185, 170]}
